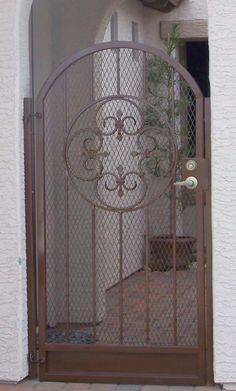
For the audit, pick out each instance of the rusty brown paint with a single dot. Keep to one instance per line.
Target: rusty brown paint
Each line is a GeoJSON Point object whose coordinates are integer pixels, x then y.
{"type": "Point", "coordinates": [116, 363]}
{"type": "Point", "coordinates": [94, 299]}
{"type": "Point", "coordinates": [121, 289]}
{"type": "Point", "coordinates": [147, 272]}
{"type": "Point", "coordinates": [66, 225]}
{"type": "Point", "coordinates": [30, 243]}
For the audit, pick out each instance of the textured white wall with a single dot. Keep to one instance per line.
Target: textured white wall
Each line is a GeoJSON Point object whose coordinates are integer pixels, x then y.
{"type": "Point", "coordinates": [14, 76]}
{"type": "Point", "coordinates": [222, 35]}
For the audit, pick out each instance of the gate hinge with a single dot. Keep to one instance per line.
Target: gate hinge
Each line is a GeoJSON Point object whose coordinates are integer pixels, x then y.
{"type": "Point", "coordinates": [36, 115]}
{"type": "Point", "coordinates": [27, 118]}
{"type": "Point", "coordinates": [34, 358]}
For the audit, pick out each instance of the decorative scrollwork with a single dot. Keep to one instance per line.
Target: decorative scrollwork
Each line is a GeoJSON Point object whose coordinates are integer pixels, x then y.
{"type": "Point", "coordinates": [115, 172]}
{"type": "Point", "coordinates": [120, 181]}
{"type": "Point", "coordinates": [90, 158]}
{"type": "Point", "coordinates": [115, 188]}
{"type": "Point", "coordinates": [154, 146]}
{"type": "Point", "coordinates": [120, 123]}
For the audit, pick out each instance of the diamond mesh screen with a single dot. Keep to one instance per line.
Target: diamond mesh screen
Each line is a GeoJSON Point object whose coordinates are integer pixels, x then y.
{"type": "Point", "coordinates": [120, 238]}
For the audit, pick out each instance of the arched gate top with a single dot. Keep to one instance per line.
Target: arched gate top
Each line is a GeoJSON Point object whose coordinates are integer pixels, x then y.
{"type": "Point", "coordinates": [119, 45]}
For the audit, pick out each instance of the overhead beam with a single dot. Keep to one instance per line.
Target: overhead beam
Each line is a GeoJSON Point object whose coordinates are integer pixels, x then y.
{"type": "Point", "coordinates": [189, 29]}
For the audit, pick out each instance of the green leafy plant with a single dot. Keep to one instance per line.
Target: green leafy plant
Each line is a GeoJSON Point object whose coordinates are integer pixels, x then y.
{"type": "Point", "coordinates": [170, 104]}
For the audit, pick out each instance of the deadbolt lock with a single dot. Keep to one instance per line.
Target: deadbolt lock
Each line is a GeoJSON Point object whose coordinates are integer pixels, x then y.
{"type": "Point", "coordinates": [191, 165]}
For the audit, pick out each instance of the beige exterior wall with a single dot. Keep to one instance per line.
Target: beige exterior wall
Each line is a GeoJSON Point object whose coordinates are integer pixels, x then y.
{"type": "Point", "coordinates": [149, 20]}
{"type": "Point", "coordinates": [58, 28]}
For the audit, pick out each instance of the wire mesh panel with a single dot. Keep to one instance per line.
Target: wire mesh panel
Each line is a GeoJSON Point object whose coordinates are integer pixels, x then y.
{"type": "Point", "coordinates": [121, 251]}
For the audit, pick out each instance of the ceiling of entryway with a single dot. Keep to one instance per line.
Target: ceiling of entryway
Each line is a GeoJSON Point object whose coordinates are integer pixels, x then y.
{"type": "Point", "coordinates": [161, 5]}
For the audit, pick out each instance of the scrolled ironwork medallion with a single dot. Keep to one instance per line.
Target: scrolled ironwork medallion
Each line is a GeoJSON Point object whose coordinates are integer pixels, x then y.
{"type": "Point", "coordinates": [117, 161]}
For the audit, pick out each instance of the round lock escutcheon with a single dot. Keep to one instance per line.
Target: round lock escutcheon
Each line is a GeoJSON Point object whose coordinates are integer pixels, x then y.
{"type": "Point", "coordinates": [191, 165]}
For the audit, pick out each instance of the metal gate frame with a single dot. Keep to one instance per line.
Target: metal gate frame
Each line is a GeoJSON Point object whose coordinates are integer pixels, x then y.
{"type": "Point", "coordinates": [37, 360]}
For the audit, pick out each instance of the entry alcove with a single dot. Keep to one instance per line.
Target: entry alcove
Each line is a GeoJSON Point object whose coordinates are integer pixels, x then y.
{"type": "Point", "coordinates": [111, 151]}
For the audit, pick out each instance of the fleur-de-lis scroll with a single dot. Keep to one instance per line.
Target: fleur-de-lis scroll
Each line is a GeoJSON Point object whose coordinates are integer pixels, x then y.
{"type": "Point", "coordinates": [120, 182]}
{"type": "Point", "coordinates": [119, 125]}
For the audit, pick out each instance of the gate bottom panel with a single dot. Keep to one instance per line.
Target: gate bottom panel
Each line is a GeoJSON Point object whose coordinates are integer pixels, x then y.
{"type": "Point", "coordinates": [123, 365]}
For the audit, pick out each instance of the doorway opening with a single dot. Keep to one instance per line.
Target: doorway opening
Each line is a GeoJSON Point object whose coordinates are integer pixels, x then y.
{"type": "Point", "coordinates": [197, 64]}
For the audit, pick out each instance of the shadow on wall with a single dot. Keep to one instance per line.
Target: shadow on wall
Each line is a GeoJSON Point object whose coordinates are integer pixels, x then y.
{"type": "Point", "coordinates": [59, 30]}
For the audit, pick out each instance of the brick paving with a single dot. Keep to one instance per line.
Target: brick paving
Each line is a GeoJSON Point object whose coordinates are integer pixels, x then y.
{"type": "Point", "coordinates": [35, 385]}
{"type": "Point", "coordinates": [161, 311]}
{"type": "Point", "coordinates": [161, 315]}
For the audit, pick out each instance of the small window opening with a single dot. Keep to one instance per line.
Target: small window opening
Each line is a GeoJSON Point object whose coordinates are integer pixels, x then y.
{"type": "Point", "coordinates": [114, 27]}
{"type": "Point", "coordinates": [135, 38]}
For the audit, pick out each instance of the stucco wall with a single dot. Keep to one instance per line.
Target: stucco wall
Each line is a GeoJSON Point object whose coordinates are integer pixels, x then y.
{"type": "Point", "coordinates": [14, 76]}
{"type": "Point", "coordinates": [222, 34]}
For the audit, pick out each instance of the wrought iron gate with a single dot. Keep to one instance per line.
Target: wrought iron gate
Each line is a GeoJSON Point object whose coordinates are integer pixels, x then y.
{"type": "Point", "coordinates": [120, 244]}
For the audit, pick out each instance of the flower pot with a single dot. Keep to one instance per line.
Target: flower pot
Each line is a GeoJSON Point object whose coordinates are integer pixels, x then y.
{"type": "Point", "coordinates": [162, 252]}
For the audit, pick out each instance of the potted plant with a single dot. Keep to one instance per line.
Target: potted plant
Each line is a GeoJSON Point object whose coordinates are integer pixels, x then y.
{"type": "Point", "coordinates": [162, 87]}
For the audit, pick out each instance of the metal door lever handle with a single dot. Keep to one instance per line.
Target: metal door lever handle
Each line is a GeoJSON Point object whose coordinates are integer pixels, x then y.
{"type": "Point", "coordinates": [190, 183]}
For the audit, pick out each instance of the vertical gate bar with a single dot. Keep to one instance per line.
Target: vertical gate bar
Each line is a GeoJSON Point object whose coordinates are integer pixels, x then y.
{"type": "Point", "coordinates": [121, 293]}
{"type": "Point", "coordinates": [200, 243]}
{"type": "Point", "coordinates": [199, 127]}
{"type": "Point", "coordinates": [94, 272]}
{"type": "Point", "coordinates": [31, 266]}
{"type": "Point", "coordinates": [144, 74]}
{"type": "Point", "coordinates": [118, 70]}
{"type": "Point", "coordinates": [208, 222]}
{"type": "Point", "coordinates": [40, 236]}
{"type": "Point", "coordinates": [67, 266]}
{"type": "Point", "coordinates": [147, 274]}
{"type": "Point", "coordinates": [67, 239]}
{"type": "Point", "coordinates": [93, 76]}
{"type": "Point", "coordinates": [173, 219]}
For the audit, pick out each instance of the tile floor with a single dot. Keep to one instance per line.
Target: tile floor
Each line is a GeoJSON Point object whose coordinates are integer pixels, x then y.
{"type": "Point", "coordinates": [34, 385]}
